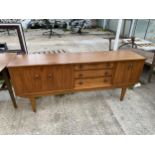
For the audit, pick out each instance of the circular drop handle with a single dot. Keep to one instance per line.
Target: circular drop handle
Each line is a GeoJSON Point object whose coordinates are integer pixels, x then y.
{"type": "Point", "coordinates": [130, 65]}
{"type": "Point", "coordinates": [37, 76]}
{"type": "Point", "coordinates": [80, 82]}
{"type": "Point", "coordinates": [49, 76]}
{"type": "Point", "coordinates": [106, 73]}
{"type": "Point", "coordinates": [105, 80]}
{"type": "Point", "coordinates": [80, 66]}
{"type": "Point", "coordinates": [80, 75]}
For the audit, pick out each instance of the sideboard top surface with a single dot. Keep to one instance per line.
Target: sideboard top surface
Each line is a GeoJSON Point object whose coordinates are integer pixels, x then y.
{"type": "Point", "coordinates": [5, 58]}
{"type": "Point", "coordinates": [73, 58]}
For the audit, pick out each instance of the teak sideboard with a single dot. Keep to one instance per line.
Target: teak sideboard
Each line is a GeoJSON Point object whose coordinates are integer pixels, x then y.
{"type": "Point", "coordinates": [44, 74]}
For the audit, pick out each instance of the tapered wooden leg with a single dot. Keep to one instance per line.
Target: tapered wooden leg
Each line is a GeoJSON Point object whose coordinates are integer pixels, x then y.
{"type": "Point", "coordinates": [33, 103]}
{"type": "Point", "coordinates": [123, 93]}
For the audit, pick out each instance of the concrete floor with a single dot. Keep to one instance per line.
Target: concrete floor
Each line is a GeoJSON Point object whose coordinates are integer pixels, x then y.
{"type": "Point", "coordinates": [36, 42]}
{"type": "Point", "coordinates": [92, 112]}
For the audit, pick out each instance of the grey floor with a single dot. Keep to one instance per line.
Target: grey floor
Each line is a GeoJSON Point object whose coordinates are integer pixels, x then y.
{"type": "Point", "coordinates": [92, 112]}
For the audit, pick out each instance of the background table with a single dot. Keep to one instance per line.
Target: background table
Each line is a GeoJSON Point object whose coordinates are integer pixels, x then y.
{"type": "Point", "coordinates": [146, 47]}
{"type": "Point", "coordinates": [5, 59]}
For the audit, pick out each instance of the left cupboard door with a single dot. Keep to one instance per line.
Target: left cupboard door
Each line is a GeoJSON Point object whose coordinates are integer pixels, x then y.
{"type": "Point", "coordinates": [27, 79]}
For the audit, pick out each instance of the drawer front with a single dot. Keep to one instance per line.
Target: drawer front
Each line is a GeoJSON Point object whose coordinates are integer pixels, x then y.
{"type": "Point", "coordinates": [94, 66]}
{"type": "Point", "coordinates": [93, 73]}
{"type": "Point", "coordinates": [92, 82]}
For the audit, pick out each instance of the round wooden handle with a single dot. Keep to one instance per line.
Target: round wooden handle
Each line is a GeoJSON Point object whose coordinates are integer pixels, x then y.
{"type": "Point", "coordinates": [49, 76]}
{"type": "Point", "coordinates": [80, 75]}
{"type": "Point", "coordinates": [80, 82]}
{"type": "Point", "coordinates": [36, 76]}
{"type": "Point", "coordinates": [107, 64]}
{"type": "Point", "coordinates": [130, 65]}
{"type": "Point", "coordinates": [106, 73]}
{"type": "Point", "coordinates": [80, 66]}
{"type": "Point", "coordinates": [105, 80]}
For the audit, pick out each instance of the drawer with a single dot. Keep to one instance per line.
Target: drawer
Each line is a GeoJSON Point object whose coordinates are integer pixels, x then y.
{"type": "Point", "coordinates": [93, 82]}
{"type": "Point", "coordinates": [93, 73]}
{"type": "Point", "coordinates": [94, 66]}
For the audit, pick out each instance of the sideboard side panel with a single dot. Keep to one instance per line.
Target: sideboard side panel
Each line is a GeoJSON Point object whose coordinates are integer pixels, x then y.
{"type": "Point", "coordinates": [16, 80]}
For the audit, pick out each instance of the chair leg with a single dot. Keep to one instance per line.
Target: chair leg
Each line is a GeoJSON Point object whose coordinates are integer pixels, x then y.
{"type": "Point", "coordinates": [9, 87]}
{"type": "Point", "coordinates": [51, 32]}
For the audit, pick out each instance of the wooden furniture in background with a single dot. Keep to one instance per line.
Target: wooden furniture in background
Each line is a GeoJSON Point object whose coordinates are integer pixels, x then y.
{"type": "Point", "coordinates": [45, 74]}
{"type": "Point", "coordinates": [5, 58]}
{"type": "Point", "coordinates": [147, 50]}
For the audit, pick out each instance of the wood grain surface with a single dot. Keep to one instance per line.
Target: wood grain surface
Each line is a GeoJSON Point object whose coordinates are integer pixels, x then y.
{"type": "Point", "coordinates": [5, 58]}
{"type": "Point", "coordinates": [74, 58]}
{"type": "Point", "coordinates": [45, 74]}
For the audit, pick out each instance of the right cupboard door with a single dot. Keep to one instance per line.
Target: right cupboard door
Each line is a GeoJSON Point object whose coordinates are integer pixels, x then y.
{"type": "Point", "coordinates": [127, 73]}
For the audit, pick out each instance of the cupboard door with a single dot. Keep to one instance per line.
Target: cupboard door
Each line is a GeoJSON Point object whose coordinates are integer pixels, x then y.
{"type": "Point", "coordinates": [122, 73]}
{"type": "Point", "coordinates": [58, 77]}
{"type": "Point", "coordinates": [34, 78]}
{"type": "Point", "coordinates": [26, 79]}
{"type": "Point", "coordinates": [136, 71]}
{"type": "Point", "coordinates": [52, 78]}
{"type": "Point", "coordinates": [128, 72]}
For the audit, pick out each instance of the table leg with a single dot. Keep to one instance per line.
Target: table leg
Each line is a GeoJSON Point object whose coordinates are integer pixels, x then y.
{"type": "Point", "coordinates": [151, 69]}
{"type": "Point", "coordinates": [33, 103]}
{"type": "Point", "coordinates": [9, 87]}
{"type": "Point", "coordinates": [123, 91]}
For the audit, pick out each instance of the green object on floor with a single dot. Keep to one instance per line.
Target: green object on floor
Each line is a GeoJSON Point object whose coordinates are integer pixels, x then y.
{"type": "Point", "coordinates": [1, 81]}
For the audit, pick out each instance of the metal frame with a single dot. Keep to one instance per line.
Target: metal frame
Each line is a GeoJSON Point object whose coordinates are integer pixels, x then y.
{"type": "Point", "coordinates": [148, 24]}
{"type": "Point", "coordinates": [21, 37]}
{"type": "Point", "coordinates": [147, 27]}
